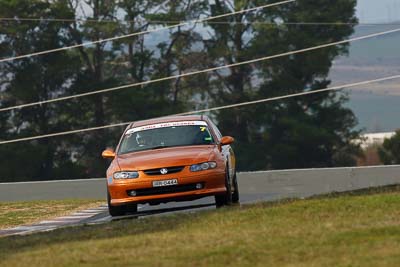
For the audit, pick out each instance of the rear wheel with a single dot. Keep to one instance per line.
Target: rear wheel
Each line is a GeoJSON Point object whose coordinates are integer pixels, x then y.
{"type": "Point", "coordinates": [115, 210]}
{"type": "Point", "coordinates": [225, 199]}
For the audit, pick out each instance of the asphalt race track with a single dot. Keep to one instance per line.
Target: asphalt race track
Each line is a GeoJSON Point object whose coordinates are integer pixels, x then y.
{"type": "Point", "coordinates": [174, 207]}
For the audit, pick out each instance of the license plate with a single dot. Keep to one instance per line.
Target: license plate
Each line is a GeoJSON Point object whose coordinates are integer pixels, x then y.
{"type": "Point", "coordinates": [165, 182]}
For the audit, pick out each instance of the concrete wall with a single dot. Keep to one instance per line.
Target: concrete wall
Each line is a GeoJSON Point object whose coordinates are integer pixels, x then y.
{"type": "Point", "coordinates": [308, 182]}
{"type": "Point", "coordinates": [259, 185]}
{"type": "Point", "coordinates": [61, 189]}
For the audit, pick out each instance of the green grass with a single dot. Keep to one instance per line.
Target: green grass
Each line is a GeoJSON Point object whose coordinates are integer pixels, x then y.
{"type": "Point", "coordinates": [356, 229]}
{"type": "Point", "coordinates": [18, 213]}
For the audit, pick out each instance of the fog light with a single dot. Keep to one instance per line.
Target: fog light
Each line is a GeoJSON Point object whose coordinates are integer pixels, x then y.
{"type": "Point", "coordinates": [199, 186]}
{"type": "Point", "coordinates": [132, 193]}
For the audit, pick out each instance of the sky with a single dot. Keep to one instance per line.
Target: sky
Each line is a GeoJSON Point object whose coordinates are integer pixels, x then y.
{"type": "Point", "coordinates": [378, 11]}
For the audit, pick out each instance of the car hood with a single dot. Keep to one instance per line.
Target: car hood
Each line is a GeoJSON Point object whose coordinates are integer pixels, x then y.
{"type": "Point", "coordinates": [165, 157]}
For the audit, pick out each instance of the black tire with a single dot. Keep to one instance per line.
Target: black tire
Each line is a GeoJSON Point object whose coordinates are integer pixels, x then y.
{"type": "Point", "coordinates": [235, 195]}
{"type": "Point", "coordinates": [225, 199]}
{"type": "Point", "coordinates": [220, 201]}
{"type": "Point", "coordinates": [132, 208]}
{"type": "Point", "coordinates": [115, 210]}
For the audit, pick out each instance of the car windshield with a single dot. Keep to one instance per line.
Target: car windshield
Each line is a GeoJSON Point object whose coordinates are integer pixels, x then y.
{"type": "Point", "coordinates": [165, 135]}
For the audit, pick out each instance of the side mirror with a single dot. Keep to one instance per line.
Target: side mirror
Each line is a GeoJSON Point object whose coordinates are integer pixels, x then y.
{"type": "Point", "coordinates": [108, 154]}
{"type": "Point", "coordinates": [227, 140]}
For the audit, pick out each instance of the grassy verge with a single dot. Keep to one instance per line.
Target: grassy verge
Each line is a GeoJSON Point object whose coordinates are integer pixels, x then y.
{"type": "Point", "coordinates": [17, 213]}
{"type": "Point", "coordinates": [346, 230]}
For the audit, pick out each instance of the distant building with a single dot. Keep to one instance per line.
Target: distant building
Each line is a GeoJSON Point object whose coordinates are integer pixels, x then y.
{"type": "Point", "coordinates": [374, 138]}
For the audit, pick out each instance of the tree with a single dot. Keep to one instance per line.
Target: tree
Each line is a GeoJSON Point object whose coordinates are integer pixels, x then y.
{"type": "Point", "coordinates": [310, 131]}
{"type": "Point", "coordinates": [31, 80]}
{"type": "Point", "coordinates": [76, 71]}
{"type": "Point", "coordinates": [389, 152]}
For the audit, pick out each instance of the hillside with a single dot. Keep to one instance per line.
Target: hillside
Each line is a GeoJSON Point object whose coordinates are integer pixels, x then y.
{"type": "Point", "coordinates": [376, 106]}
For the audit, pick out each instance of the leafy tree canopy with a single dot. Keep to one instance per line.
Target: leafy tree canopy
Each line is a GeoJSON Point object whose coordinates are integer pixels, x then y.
{"type": "Point", "coordinates": [309, 131]}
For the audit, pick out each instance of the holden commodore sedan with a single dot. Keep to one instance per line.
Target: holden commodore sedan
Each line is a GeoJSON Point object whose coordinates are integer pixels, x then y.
{"type": "Point", "coordinates": [177, 158]}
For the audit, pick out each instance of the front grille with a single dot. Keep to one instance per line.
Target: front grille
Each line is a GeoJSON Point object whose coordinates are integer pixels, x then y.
{"type": "Point", "coordinates": [165, 190]}
{"type": "Point", "coordinates": [158, 170]}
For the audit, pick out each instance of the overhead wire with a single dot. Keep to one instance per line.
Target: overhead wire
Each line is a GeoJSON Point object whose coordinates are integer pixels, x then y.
{"type": "Point", "coordinates": [236, 105]}
{"type": "Point", "coordinates": [146, 31]}
{"type": "Point", "coordinates": [333, 88]}
{"type": "Point", "coordinates": [274, 23]}
{"type": "Point", "coordinates": [200, 71]}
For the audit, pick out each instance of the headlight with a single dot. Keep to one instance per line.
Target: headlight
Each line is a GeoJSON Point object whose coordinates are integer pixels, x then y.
{"type": "Point", "coordinates": [126, 175]}
{"type": "Point", "coordinates": [203, 166]}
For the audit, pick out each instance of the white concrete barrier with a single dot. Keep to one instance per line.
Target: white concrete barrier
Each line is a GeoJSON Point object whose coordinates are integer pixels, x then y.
{"type": "Point", "coordinates": [260, 185]}
{"type": "Point", "coordinates": [308, 182]}
{"type": "Point", "coordinates": [57, 189]}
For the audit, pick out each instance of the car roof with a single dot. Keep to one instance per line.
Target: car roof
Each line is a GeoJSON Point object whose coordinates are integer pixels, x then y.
{"type": "Point", "coordinates": [168, 119]}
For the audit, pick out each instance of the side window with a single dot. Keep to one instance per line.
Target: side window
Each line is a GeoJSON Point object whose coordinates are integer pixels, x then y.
{"type": "Point", "coordinates": [216, 131]}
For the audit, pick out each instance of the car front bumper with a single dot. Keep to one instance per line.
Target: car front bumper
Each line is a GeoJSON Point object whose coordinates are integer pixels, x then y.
{"type": "Point", "coordinates": [213, 183]}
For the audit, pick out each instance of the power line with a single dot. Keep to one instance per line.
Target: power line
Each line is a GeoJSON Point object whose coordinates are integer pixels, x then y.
{"type": "Point", "coordinates": [311, 23]}
{"type": "Point", "coordinates": [19, 19]}
{"type": "Point", "coordinates": [334, 88]}
{"type": "Point", "coordinates": [64, 133]}
{"type": "Point", "coordinates": [145, 32]}
{"type": "Point", "coordinates": [200, 71]}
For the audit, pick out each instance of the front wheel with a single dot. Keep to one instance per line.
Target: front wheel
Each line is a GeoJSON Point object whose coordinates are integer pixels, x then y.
{"type": "Point", "coordinates": [225, 199]}
{"type": "Point", "coordinates": [115, 210]}
{"type": "Point", "coordinates": [132, 208]}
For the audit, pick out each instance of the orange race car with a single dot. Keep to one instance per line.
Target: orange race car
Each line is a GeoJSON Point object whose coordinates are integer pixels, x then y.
{"type": "Point", "coordinates": [175, 158]}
